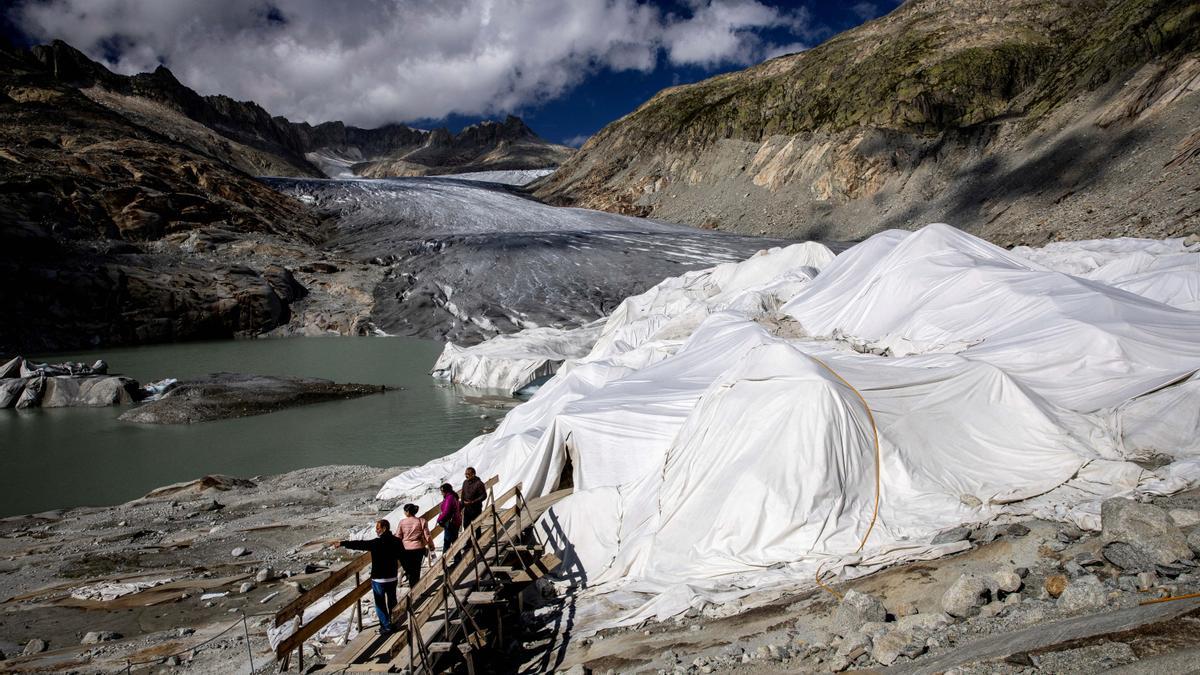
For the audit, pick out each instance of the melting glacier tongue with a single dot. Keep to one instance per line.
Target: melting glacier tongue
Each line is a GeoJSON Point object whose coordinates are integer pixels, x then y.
{"type": "Point", "coordinates": [468, 260]}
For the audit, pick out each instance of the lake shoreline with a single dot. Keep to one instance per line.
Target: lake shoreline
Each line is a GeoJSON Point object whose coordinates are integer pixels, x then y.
{"type": "Point", "coordinates": [57, 566]}
{"type": "Point", "coordinates": [67, 457]}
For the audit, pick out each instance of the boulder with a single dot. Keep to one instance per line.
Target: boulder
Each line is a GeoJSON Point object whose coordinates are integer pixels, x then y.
{"type": "Point", "coordinates": [34, 646]}
{"type": "Point", "coordinates": [98, 636]}
{"type": "Point", "coordinates": [1007, 580]}
{"type": "Point", "coordinates": [1193, 541]}
{"type": "Point", "coordinates": [855, 610]}
{"type": "Point", "coordinates": [1145, 527]}
{"type": "Point", "coordinates": [1128, 557]}
{"type": "Point", "coordinates": [896, 643]}
{"type": "Point", "coordinates": [1184, 517]}
{"type": "Point", "coordinates": [967, 595]}
{"type": "Point", "coordinates": [1082, 594]}
{"type": "Point", "coordinates": [238, 552]}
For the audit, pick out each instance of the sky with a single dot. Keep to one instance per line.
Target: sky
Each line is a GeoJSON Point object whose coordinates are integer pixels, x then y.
{"type": "Point", "coordinates": [568, 67]}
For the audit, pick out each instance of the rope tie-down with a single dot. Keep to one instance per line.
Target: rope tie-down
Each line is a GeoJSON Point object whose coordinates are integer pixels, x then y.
{"type": "Point", "coordinates": [878, 462]}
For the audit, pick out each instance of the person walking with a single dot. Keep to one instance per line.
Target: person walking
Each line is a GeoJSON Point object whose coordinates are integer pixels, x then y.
{"type": "Point", "coordinates": [450, 516]}
{"type": "Point", "coordinates": [414, 536]}
{"type": "Point", "coordinates": [385, 552]}
{"type": "Point", "coordinates": [474, 494]}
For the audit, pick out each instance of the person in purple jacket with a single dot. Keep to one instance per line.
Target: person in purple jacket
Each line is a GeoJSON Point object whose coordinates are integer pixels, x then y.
{"type": "Point", "coordinates": [450, 517]}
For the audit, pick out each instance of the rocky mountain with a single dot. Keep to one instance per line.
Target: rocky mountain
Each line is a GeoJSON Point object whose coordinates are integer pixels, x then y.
{"type": "Point", "coordinates": [1022, 121]}
{"type": "Point", "coordinates": [112, 232]}
{"type": "Point", "coordinates": [245, 135]}
{"type": "Point", "coordinates": [398, 150]}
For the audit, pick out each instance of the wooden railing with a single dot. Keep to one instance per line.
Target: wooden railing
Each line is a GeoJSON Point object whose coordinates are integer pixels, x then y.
{"type": "Point", "coordinates": [296, 607]}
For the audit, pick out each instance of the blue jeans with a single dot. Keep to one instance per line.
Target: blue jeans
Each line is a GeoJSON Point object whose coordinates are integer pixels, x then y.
{"type": "Point", "coordinates": [449, 534]}
{"type": "Point", "coordinates": [385, 602]}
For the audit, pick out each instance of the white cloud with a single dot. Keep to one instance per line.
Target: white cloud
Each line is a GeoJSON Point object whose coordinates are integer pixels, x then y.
{"type": "Point", "coordinates": [727, 31]}
{"type": "Point", "coordinates": [371, 62]}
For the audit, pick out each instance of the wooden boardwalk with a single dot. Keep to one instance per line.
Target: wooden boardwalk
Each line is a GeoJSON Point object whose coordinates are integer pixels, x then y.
{"type": "Point", "coordinates": [454, 611]}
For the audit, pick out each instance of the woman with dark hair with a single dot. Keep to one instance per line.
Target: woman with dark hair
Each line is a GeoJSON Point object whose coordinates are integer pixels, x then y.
{"type": "Point", "coordinates": [450, 517]}
{"type": "Point", "coordinates": [414, 535]}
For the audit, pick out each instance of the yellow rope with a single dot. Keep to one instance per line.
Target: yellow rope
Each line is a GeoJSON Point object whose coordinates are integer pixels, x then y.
{"type": "Point", "coordinates": [878, 462]}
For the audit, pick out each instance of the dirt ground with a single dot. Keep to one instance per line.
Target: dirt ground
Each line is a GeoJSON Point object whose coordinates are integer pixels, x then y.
{"type": "Point", "coordinates": [184, 535]}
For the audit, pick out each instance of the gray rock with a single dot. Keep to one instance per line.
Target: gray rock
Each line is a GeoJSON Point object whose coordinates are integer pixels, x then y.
{"type": "Point", "coordinates": [1007, 580]}
{"type": "Point", "coordinates": [98, 636]}
{"type": "Point", "coordinates": [34, 646]}
{"type": "Point", "coordinates": [874, 629]}
{"type": "Point", "coordinates": [1069, 533]}
{"type": "Point", "coordinates": [1146, 581]}
{"type": "Point", "coordinates": [246, 587]}
{"type": "Point", "coordinates": [213, 505]}
{"type": "Point", "coordinates": [1128, 557]}
{"type": "Point", "coordinates": [1082, 594]}
{"type": "Point", "coordinates": [264, 575]}
{"type": "Point", "coordinates": [1184, 518]}
{"type": "Point", "coordinates": [1074, 570]}
{"type": "Point", "coordinates": [985, 535]}
{"type": "Point", "coordinates": [966, 595]}
{"type": "Point", "coordinates": [922, 624]}
{"type": "Point", "coordinates": [1016, 530]}
{"type": "Point", "coordinates": [854, 642]}
{"type": "Point", "coordinates": [951, 536]}
{"type": "Point", "coordinates": [173, 661]}
{"type": "Point", "coordinates": [1193, 541]}
{"type": "Point", "coordinates": [238, 552]}
{"type": "Point", "coordinates": [896, 643]}
{"type": "Point", "coordinates": [1022, 571]}
{"type": "Point", "coordinates": [855, 610]}
{"type": "Point", "coordinates": [1145, 527]}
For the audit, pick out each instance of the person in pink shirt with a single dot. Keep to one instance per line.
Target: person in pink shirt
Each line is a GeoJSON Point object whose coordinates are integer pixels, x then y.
{"type": "Point", "coordinates": [414, 536]}
{"type": "Point", "coordinates": [450, 517]}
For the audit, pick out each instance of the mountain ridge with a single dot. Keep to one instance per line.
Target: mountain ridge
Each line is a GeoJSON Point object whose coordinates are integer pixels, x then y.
{"type": "Point", "coordinates": [960, 111]}
{"type": "Point", "coordinates": [264, 144]}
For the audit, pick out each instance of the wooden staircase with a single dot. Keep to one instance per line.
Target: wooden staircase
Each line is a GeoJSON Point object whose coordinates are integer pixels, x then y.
{"type": "Point", "coordinates": [456, 608]}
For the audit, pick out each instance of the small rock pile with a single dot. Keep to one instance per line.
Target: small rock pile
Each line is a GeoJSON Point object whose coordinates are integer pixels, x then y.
{"type": "Point", "coordinates": [1140, 549]}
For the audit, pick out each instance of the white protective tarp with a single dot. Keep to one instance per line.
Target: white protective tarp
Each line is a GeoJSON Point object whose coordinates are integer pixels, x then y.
{"type": "Point", "coordinates": [509, 363]}
{"type": "Point", "coordinates": [725, 435]}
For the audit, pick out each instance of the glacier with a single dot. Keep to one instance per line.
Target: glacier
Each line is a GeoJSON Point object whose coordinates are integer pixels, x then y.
{"type": "Point", "coordinates": [744, 429]}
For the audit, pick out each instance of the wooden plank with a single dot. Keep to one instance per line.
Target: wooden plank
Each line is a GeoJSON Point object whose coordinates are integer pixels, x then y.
{"type": "Point", "coordinates": [481, 598]}
{"type": "Point", "coordinates": [429, 593]}
{"type": "Point", "coordinates": [296, 607]}
{"type": "Point", "coordinates": [319, 621]}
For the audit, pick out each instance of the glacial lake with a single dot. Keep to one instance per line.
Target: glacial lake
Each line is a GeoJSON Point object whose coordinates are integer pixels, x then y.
{"type": "Point", "coordinates": [62, 457]}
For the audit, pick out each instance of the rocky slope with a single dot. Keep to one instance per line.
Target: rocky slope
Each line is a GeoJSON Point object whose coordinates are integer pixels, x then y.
{"type": "Point", "coordinates": [116, 234]}
{"type": "Point", "coordinates": [1022, 122]}
{"type": "Point", "coordinates": [487, 146]}
{"type": "Point", "coordinates": [243, 134]}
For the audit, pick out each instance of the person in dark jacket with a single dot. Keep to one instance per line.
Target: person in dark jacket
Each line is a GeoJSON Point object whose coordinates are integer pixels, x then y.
{"type": "Point", "coordinates": [386, 551]}
{"type": "Point", "coordinates": [474, 494]}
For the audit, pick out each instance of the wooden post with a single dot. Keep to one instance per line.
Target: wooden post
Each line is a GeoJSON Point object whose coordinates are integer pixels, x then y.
{"type": "Point", "coordinates": [358, 605]}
